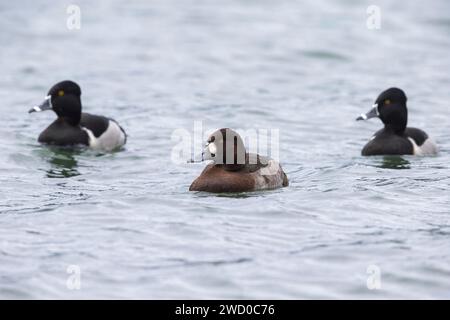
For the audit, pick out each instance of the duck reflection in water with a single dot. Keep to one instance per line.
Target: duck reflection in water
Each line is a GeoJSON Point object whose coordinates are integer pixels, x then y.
{"type": "Point", "coordinates": [62, 162]}
{"type": "Point", "coordinates": [394, 162]}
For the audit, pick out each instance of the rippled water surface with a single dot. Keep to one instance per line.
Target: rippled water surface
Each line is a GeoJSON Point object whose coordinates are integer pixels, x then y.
{"type": "Point", "coordinates": [127, 220]}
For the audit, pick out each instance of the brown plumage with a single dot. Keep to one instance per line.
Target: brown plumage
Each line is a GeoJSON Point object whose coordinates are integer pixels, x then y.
{"type": "Point", "coordinates": [251, 174]}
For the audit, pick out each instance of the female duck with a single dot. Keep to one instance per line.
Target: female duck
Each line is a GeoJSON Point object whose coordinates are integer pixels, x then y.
{"type": "Point", "coordinates": [395, 138]}
{"type": "Point", "coordinates": [235, 170]}
{"type": "Point", "coordinates": [72, 127]}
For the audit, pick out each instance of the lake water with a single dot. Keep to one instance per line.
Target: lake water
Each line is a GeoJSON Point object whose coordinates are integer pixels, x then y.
{"type": "Point", "coordinates": [126, 223]}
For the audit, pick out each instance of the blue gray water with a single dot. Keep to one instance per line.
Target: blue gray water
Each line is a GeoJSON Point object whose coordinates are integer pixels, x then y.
{"type": "Point", "coordinates": [127, 220]}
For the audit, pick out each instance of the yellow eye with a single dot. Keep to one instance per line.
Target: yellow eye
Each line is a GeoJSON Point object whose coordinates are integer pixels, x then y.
{"type": "Point", "coordinates": [387, 101]}
{"type": "Point", "coordinates": [60, 93]}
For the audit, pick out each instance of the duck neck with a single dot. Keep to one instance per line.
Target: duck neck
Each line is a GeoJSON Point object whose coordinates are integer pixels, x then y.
{"type": "Point", "coordinates": [70, 112]}
{"type": "Point", "coordinates": [72, 121]}
{"type": "Point", "coordinates": [236, 165]}
{"type": "Point", "coordinates": [398, 127]}
{"type": "Point", "coordinates": [233, 144]}
{"type": "Point", "coordinates": [396, 122]}
{"type": "Point", "coordinates": [395, 128]}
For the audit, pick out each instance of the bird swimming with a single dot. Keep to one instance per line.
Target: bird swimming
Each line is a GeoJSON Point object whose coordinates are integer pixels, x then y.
{"type": "Point", "coordinates": [235, 170]}
{"type": "Point", "coordinates": [74, 127]}
{"type": "Point", "coordinates": [395, 138]}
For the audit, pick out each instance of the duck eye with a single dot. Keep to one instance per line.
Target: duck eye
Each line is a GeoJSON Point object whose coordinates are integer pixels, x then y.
{"type": "Point", "coordinates": [60, 93]}
{"type": "Point", "coordinates": [387, 101]}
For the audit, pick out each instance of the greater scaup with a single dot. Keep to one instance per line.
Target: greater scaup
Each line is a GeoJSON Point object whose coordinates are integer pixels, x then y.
{"type": "Point", "coordinates": [72, 127]}
{"type": "Point", "coordinates": [395, 138]}
{"type": "Point", "coordinates": [235, 170]}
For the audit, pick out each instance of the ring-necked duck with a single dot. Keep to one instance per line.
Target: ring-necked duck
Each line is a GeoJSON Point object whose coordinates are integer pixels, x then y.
{"type": "Point", "coordinates": [72, 127]}
{"type": "Point", "coordinates": [395, 138]}
{"type": "Point", "coordinates": [235, 170]}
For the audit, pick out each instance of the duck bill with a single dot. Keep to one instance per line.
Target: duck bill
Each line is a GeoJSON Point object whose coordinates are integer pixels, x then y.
{"type": "Point", "coordinates": [373, 113]}
{"type": "Point", "coordinates": [45, 105]}
{"type": "Point", "coordinates": [207, 154]}
{"type": "Point", "coordinates": [196, 159]}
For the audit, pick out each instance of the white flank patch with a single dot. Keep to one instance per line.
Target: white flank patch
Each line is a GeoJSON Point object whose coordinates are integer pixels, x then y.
{"type": "Point", "coordinates": [273, 170]}
{"type": "Point", "coordinates": [111, 139]}
{"type": "Point", "coordinates": [428, 148]}
{"type": "Point", "coordinates": [416, 149]}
